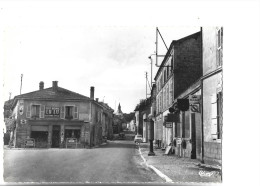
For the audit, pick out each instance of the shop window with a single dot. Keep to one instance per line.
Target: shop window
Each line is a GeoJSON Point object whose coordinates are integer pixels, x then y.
{"type": "Point", "coordinates": [72, 133]}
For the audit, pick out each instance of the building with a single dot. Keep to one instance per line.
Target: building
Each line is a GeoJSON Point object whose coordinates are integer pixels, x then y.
{"type": "Point", "coordinates": [212, 93]}
{"type": "Point", "coordinates": [53, 115]}
{"type": "Point", "coordinates": [181, 67]}
{"type": "Point", "coordinates": [119, 123]}
{"type": "Point", "coordinates": [142, 112]}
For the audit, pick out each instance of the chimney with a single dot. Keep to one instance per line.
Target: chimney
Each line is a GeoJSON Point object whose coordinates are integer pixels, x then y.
{"type": "Point", "coordinates": [92, 89]}
{"type": "Point", "coordinates": [41, 85]}
{"type": "Point", "coordinates": [54, 85]}
{"type": "Point", "coordinates": [96, 99]}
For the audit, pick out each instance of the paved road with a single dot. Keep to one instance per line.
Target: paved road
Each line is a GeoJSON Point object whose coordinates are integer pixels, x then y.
{"type": "Point", "coordinates": [118, 161]}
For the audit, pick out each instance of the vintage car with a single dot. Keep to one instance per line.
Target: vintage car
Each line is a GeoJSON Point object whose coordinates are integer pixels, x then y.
{"type": "Point", "coordinates": [138, 139]}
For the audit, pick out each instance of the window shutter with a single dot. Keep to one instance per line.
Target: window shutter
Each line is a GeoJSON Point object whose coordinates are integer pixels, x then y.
{"type": "Point", "coordinates": [62, 112]}
{"type": "Point", "coordinates": [214, 122]}
{"type": "Point", "coordinates": [42, 111]}
{"type": "Point", "coordinates": [28, 111]}
{"type": "Point", "coordinates": [76, 112]}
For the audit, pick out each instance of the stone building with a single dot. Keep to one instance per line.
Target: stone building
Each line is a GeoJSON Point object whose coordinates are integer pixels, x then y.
{"type": "Point", "coordinates": [212, 93]}
{"type": "Point", "coordinates": [53, 115]}
{"type": "Point", "coordinates": [181, 67]}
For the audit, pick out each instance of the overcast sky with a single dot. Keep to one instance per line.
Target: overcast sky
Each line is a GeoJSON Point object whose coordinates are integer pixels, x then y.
{"type": "Point", "coordinates": [57, 44]}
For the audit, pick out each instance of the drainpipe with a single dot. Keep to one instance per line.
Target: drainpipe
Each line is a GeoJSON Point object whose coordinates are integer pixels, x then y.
{"type": "Point", "coordinates": [201, 85]}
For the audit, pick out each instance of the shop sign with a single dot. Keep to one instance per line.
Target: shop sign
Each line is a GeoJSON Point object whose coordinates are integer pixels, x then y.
{"type": "Point", "coordinates": [194, 99]}
{"type": "Point", "coordinates": [168, 125]}
{"type": "Point", "coordinates": [52, 112]}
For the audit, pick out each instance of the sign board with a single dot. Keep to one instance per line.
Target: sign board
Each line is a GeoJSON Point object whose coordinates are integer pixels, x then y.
{"type": "Point", "coordinates": [178, 141]}
{"type": "Point", "coordinates": [168, 125]}
{"type": "Point", "coordinates": [194, 99]}
{"type": "Point", "coordinates": [195, 107]}
{"type": "Point", "coordinates": [23, 121]}
{"type": "Point", "coordinates": [195, 103]}
{"type": "Point", "coordinates": [52, 112]}
{"type": "Point", "coordinates": [71, 142]}
{"type": "Point", "coordinates": [167, 151]}
{"type": "Point", "coordinates": [29, 142]}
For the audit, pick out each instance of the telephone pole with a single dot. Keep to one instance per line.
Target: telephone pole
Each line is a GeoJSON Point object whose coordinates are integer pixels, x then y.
{"type": "Point", "coordinates": [21, 84]}
{"type": "Point", "coordinates": [146, 84]}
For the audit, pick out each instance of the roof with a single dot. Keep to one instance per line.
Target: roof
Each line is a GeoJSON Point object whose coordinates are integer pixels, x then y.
{"type": "Point", "coordinates": [168, 53]}
{"type": "Point", "coordinates": [50, 94]}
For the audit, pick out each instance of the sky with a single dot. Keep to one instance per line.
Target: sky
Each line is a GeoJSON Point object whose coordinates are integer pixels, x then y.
{"type": "Point", "coordinates": [112, 58]}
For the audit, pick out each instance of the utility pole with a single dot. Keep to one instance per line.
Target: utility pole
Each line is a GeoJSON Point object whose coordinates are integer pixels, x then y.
{"type": "Point", "coordinates": [10, 94]}
{"type": "Point", "coordinates": [146, 84]}
{"type": "Point", "coordinates": [21, 84]}
{"type": "Point", "coordinates": [151, 71]}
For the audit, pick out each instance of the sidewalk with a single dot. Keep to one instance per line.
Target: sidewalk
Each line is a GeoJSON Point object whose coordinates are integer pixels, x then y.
{"type": "Point", "coordinates": [174, 169]}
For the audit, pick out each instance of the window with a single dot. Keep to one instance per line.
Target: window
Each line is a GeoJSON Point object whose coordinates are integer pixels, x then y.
{"type": "Point", "coordinates": [69, 112]}
{"type": "Point", "coordinates": [35, 111]}
{"type": "Point", "coordinates": [167, 96]}
{"type": "Point", "coordinates": [219, 46]}
{"type": "Point", "coordinates": [216, 115]}
{"type": "Point", "coordinates": [219, 114]}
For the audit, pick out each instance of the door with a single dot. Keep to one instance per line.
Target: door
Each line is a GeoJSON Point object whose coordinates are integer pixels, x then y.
{"type": "Point", "coordinates": [55, 136]}
{"type": "Point", "coordinates": [193, 136]}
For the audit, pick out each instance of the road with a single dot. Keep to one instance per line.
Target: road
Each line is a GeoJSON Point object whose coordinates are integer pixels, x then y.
{"type": "Point", "coordinates": [117, 161]}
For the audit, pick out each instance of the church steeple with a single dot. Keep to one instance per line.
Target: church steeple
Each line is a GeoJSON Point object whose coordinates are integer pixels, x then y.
{"type": "Point", "coordinates": [119, 111]}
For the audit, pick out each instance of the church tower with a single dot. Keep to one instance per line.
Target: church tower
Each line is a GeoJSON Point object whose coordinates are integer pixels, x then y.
{"type": "Point", "coordinates": [119, 111]}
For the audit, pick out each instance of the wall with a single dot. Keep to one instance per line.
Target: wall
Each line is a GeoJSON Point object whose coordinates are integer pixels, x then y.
{"type": "Point", "coordinates": [209, 49]}
{"type": "Point", "coordinates": [187, 63]}
{"type": "Point", "coordinates": [212, 84]}
{"type": "Point", "coordinates": [210, 87]}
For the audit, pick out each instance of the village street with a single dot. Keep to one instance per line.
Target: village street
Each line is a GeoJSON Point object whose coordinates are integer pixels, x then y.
{"type": "Point", "coordinates": [117, 161]}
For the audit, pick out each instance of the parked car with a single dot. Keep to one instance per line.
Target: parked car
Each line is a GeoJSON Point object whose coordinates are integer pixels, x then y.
{"type": "Point", "coordinates": [138, 139]}
{"type": "Point", "coordinates": [121, 136]}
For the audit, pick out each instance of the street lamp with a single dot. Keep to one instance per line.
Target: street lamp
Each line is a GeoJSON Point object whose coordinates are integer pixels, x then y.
{"type": "Point", "coordinates": [151, 134]}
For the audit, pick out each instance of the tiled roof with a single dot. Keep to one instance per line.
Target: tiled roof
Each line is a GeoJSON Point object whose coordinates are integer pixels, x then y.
{"type": "Point", "coordinates": [49, 93]}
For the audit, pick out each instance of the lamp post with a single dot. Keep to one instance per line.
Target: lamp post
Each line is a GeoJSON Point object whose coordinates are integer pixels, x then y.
{"type": "Point", "coordinates": [151, 134]}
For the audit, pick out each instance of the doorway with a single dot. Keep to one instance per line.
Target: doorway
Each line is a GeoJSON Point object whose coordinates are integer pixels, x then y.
{"type": "Point", "coordinates": [55, 136]}
{"type": "Point", "coordinates": [193, 137]}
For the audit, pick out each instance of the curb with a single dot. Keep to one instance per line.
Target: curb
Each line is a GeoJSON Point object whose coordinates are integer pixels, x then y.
{"type": "Point", "coordinates": [209, 166]}
{"type": "Point", "coordinates": [159, 173]}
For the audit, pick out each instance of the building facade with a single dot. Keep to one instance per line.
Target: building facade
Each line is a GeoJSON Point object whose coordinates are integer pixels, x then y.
{"type": "Point", "coordinates": [53, 115]}
{"type": "Point", "coordinates": [212, 93]}
{"type": "Point", "coordinates": [181, 67]}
